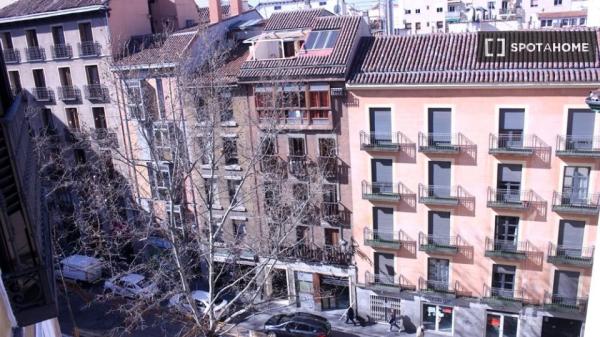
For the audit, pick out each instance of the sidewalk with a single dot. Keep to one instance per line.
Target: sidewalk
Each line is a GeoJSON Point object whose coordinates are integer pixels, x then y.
{"type": "Point", "coordinates": [339, 326]}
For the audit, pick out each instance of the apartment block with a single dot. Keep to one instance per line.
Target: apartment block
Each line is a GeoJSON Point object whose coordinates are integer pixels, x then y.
{"type": "Point", "coordinates": [477, 188]}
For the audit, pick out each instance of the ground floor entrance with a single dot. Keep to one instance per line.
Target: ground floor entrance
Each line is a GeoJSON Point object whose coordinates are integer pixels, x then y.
{"type": "Point", "coordinates": [560, 327]}
{"type": "Point", "coordinates": [381, 307]}
{"type": "Point", "coordinates": [334, 292]}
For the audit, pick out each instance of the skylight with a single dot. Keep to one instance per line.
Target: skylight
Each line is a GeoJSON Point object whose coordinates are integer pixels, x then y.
{"type": "Point", "coordinates": [321, 39]}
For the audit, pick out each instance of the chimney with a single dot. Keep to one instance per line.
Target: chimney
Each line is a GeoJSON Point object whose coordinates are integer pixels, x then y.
{"type": "Point", "coordinates": [214, 11]}
{"type": "Point", "coordinates": [235, 7]}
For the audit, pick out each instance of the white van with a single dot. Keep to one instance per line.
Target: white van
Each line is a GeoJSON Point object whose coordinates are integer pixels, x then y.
{"type": "Point", "coordinates": [81, 268]}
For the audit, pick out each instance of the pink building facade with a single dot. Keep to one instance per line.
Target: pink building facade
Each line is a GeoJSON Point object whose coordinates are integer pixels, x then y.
{"type": "Point", "coordinates": [478, 198]}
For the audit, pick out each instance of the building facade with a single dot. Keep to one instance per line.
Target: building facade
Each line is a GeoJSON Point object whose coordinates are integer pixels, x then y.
{"type": "Point", "coordinates": [479, 193]}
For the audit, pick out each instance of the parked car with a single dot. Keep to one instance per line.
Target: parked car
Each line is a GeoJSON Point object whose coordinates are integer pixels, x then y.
{"type": "Point", "coordinates": [299, 324]}
{"type": "Point", "coordinates": [179, 302]}
{"type": "Point", "coordinates": [81, 268]}
{"type": "Point", "coordinates": [132, 286]}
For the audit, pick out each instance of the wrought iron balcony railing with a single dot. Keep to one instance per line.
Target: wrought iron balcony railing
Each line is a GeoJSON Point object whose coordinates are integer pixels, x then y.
{"type": "Point", "coordinates": [386, 282]}
{"type": "Point", "coordinates": [507, 249]}
{"type": "Point", "coordinates": [96, 92]}
{"type": "Point", "coordinates": [62, 51]}
{"type": "Point", "coordinates": [42, 94]}
{"type": "Point", "coordinates": [298, 165]}
{"type": "Point", "coordinates": [562, 303]}
{"type": "Point", "coordinates": [89, 49]}
{"type": "Point", "coordinates": [328, 166]}
{"type": "Point", "coordinates": [69, 93]}
{"type": "Point", "coordinates": [35, 54]}
{"type": "Point", "coordinates": [375, 141]}
{"type": "Point", "coordinates": [440, 142]}
{"type": "Point", "coordinates": [273, 164]}
{"type": "Point", "coordinates": [576, 202]}
{"type": "Point", "coordinates": [567, 255]}
{"type": "Point", "coordinates": [439, 195]}
{"type": "Point", "coordinates": [513, 144]}
{"type": "Point", "coordinates": [509, 198]}
{"type": "Point", "coordinates": [11, 56]}
{"type": "Point", "coordinates": [330, 209]}
{"type": "Point", "coordinates": [105, 138]}
{"type": "Point", "coordinates": [506, 295]}
{"type": "Point", "coordinates": [382, 239]}
{"type": "Point", "coordinates": [438, 244]}
{"type": "Point", "coordinates": [383, 191]}
{"type": "Point", "coordinates": [578, 146]}
{"type": "Point", "coordinates": [444, 287]}
{"type": "Point", "coordinates": [311, 253]}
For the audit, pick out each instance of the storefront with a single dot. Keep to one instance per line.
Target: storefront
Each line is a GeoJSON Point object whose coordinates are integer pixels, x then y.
{"type": "Point", "coordinates": [561, 327]}
{"type": "Point", "coordinates": [305, 292]}
{"type": "Point", "coordinates": [438, 318]}
{"type": "Point", "coordinates": [334, 292]}
{"type": "Point", "coordinates": [500, 324]}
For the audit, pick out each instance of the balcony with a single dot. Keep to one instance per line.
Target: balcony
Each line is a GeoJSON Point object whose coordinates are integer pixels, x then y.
{"type": "Point", "coordinates": [511, 250]}
{"type": "Point", "coordinates": [557, 302]}
{"type": "Point", "coordinates": [439, 195]}
{"type": "Point", "coordinates": [311, 253]}
{"type": "Point", "coordinates": [11, 56]}
{"type": "Point", "coordinates": [89, 49]}
{"type": "Point", "coordinates": [273, 165]}
{"type": "Point", "coordinates": [438, 244]}
{"type": "Point", "coordinates": [96, 92]}
{"type": "Point", "coordinates": [573, 256]}
{"type": "Point", "coordinates": [74, 135]}
{"type": "Point", "coordinates": [297, 119]}
{"type": "Point", "coordinates": [69, 93]}
{"type": "Point", "coordinates": [105, 138]}
{"type": "Point", "coordinates": [440, 143]}
{"type": "Point", "coordinates": [578, 146]}
{"type": "Point", "coordinates": [35, 54]}
{"type": "Point", "coordinates": [514, 144]}
{"type": "Point", "coordinates": [509, 198]}
{"type": "Point", "coordinates": [501, 296]}
{"type": "Point", "coordinates": [297, 165]}
{"type": "Point", "coordinates": [576, 203]}
{"type": "Point", "coordinates": [380, 239]}
{"type": "Point", "coordinates": [383, 191]}
{"type": "Point", "coordinates": [442, 287]}
{"type": "Point", "coordinates": [328, 166]}
{"type": "Point", "coordinates": [387, 283]}
{"type": "Point", "coordinates": [62, 51]}
{"type": "Point", "coordinates": [42, 94]}
{"type": "Point", "coordinates": [383, 142]}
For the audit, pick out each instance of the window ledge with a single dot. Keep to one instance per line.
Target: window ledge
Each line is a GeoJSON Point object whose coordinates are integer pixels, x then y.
{"type": "Point", "coordinates": [239, 209]}
{"type": "Point", "coordinates": [219, 207]}
{"type": "Point", "coordinates": [206, 166]}
{"type": "Point", "coordinates": [236, 167]}
{"type": "Point", "coordinates": [229, 124]}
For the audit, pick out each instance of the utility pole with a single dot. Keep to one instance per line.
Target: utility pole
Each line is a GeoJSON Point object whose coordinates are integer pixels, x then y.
{"type": "Point", "coordinates": [389, 15]}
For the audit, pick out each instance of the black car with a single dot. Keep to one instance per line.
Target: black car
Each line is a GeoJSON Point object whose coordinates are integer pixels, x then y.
{"type": "Point", "coordinates": [299, 324]}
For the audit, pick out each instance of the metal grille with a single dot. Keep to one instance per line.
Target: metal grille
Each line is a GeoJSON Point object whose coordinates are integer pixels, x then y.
{"type": "Point", "coordinates": [381, 305]}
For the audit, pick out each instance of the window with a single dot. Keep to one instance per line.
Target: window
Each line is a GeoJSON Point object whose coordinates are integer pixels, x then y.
{"type": "Point", "coordinates": [575, 184]}
{"type": "Point", "coordinates": [319, 96]}
{"type": "Point", "coordinates": [439, 228]}
{"type": "Point", "coordinates": [211, 191]}
{"type": "Point", "coordinates": [534, 3]}
{"type": "Point", "coordinates": [327, 147]}
{"type": "Point", "coordinates": [277, 7]}
{"type": "Point", "coordinates": [272, 193]}
{"type": "Point", "coordinates": [15, 81]}
{"type": "Point", "coordinates": [230, 151]}
{"type": "Point", "coordinates": [439, 9]}
{"type": "Point", "coordinates": [565, 288]}
{"type": "Point", "coordinates": [503, 280]}
{"type": "Point", "coordinates": [417, 26]}
{"type": "Point", "coordinates": [174, 215]}
{"type": "Point", "coordinates": [85, 32]}
{"type": "Point", "coordinates": [99, 117]}
{"type": "Point", "coordinates": [408, 25]}
{"type": "Point", "coordinates": [417, 11]}
{"type": "Point", "coordinates": [160, 180]}
{"type": "Point", "coordinates": [439, 126]}
{"type": "Point", "coordinates": [232, 188]}
{"type": "Point", "coordinates": [203, 149]}
{"type": "Point", "coordinates": [162, 141]}
{"type": "Point", "coordinates": [79, 155]}
{"type": "Point", "coordinates": [72, 118]}
{"type": "Point", "coordinates": [439, 179]}
{"type": "Point", "coordinates": [332, 236]}
{"type": "Point", "coordinates": [509, 182]}
{"type": "Point", "coordinates": [381, 175]}
{"type": "Point", "coordinates": [300, 191]}
{"type": "Point", "coordinates": [322, 3]}
{"type": "Point", "coordinates": [321, 39]}
{"type": "Point", "coordinates": [380, 120]}
{"type": "Point", "coordinates": [6, 39]}
{"type": "Point", "coordinates": [65, 76]}
{"type": "Point", "coordinates": [580, 129]}
{"type": "Point", "coordinates": [47, 119]}
{"type": "Point", "coordinates": [512, 123]}
{"type": "Point", "coordinates": [451, 8]}
{"type": "Point", "coordinates": [407, 11]}
{"type": "Point", "coordinates": [582, 21]}
{"type": "Point", "coordinates": [506, 233]}
{"type": "Point", "coordinates": [557, 2]}
{"type": "Point", "coordinates": [239, 229]}
{"type": "Point", "coordinates": [297, 147]}
{"type": "Point", "coordinates": [491, 5]}
{"type": "Point", "coordinates": [38, 78]}
{"type": "Point", "coordinates": [439, 24]}
{"type": "Point", "coordinates": [438, 273]}
{"type": "Point", "coordinates": [302, 235]}
{"type": "Point", "coordinates": [383, 223]}
{"type": "Point", "coordinates": [570, 238]}
{"type": "Point", "coordinates": [438, 318]}
{"type": "Point", "coordinates": [133, 91]}
{"type": "Point", "coordinates": [31, 37]}
{"type": "Point", "coordinates": [384, 267]}
{"type": "Point", "coordinates": [93, 77]}
{"type": "Point", "coordinates": [501, 325]}
{"type": "Point", "coordinates": [58, 35]}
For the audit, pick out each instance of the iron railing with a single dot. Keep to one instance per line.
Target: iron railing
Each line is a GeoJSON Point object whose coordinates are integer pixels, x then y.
{"type": "Point", "coordinates": [440, 142]}
{"type": "Point", "coordinates": [11, 56]}
{"type": "Point", "coordinates": [560, 302]}
{"type": "Point", "coordinates": [297, 165]}
{"type": "Point", "coordinates": [513, 143]}
{"type": "Point", "coordinates": [96, 92]}
{"type": "Point", "coordinates": [89, 49]}
{"type": "Point", "coordinates": [330, 209]}
{"type": "Point", "coordinates": [438, 243]}
{"type": "Point", "coordinates": [384, 239]}
{"type": "Point", "coordinates": [381, 280]}
{"type": "Point", "coordinates": [272, 164]}
{"type": "Point", "coordinates": [579, 256]}
{"type": "Point", "coordinates": [105, 138]}
{"type": "Point", "coordinates": [382, 191]}
{"type": "Point", "coordinates": [503, 294]}
{"type": "Point", "coordinates": [62, 51]}
{"type": "Point", "coordinates": [576, 202]}
{"type": "Point", "coordinates": [506, 248]}
{"type": "Point", "coordinates": [439, 194]}
{"type": "Point", "coordinates": [509, 198]}
{"type": "Point", "coordinates": [42, 94]}
{"type": "Point", "coordinates": [378, 141]}
{"type": "Point", "coordinates": [312, 253]}
{"type": "Point", "coordinates": [436, 286]}
{"type": "Point", "coordinates": [328, 166]}
{"type": "Point", "coordinates": [69, 93]}
{"type": "Point", "coordinates": [35, 54]}
{"type": "Point", "coordinates": [302, 119]}
{"type": "Point", "coordinates": [578, 146]}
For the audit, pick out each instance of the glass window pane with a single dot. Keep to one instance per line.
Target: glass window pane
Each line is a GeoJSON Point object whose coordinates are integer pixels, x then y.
{"type": "Point", "coordinates": [312, 38]}
{"type": "Point", "coordinates": [429, 314]}
{"type": "Point", "coordinates": [509, 329]}
{"type": "Point", "coordinates": [332, 38]}
{"type": "Point", "coordinates": [321, 40]}
{"type": "Point", "coordinates": [445, 319]}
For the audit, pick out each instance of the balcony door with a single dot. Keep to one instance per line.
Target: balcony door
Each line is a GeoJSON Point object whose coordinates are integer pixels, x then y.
{"type": "Point", "coordinates": [439, 179]}
{"type": "Point", "coordinates": [93, 77]}
{"type": "Point", "coordinates": [384, 267]}
{"type": "Point", "coordinates": [565, 287]}
{"type": "Point", "coordinates": [383, 223]}
{"type": "Point", "coordinates": [297, 147]}
{"type": "Point", "coordinates": [506, 233]}
{"type": "Point", "coordinates": [439, 228]}
{"type": "Point", "coordinates": [381, 175]}
{"type": "Point", "coordinates": [509, 182]}
{"type": "Point", "coordinates": [512, 123]}
{"type": "Point", "coordinates": [570, 238]}
{"type": "Point", "coordinates": [503, 280]}
{"type": "Point", "coordinates": [575, 184]}
{"type": "Point", "coordinates": [85, 32]}
{"type": "Point", "coordinates": [439, 126]}
{"type": "Point", "coordinates": [438, 273]}
{"type": "Point", "coordinates": [31, 37]}
{"type": "Point", "coordinates": [38, 78]}
{"type": "Point", "coordinates": [580, 129]}
{"type": "Point", "coordinates": [380, 125]}
{"type": "Point", "coordinates": [65, 77]}
{"type": "Point", "coordinates": [58, 35]}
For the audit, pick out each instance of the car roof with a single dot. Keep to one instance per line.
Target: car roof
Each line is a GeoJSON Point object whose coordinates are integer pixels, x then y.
{"type": "Point", "coordinates": [310, 321]}
{"type": "Point", "coordinates": [200, 295]}
{"type": "Point", "coordinates": [132, 278]}
{"type": "Point", "coordinates": [80, 261]}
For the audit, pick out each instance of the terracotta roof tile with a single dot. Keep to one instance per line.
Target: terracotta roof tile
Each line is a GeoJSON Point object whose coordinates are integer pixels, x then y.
{"type": "Point", "coordinates": [27, 7]}
{"type": "Point", "coordinates": [451, 59]}
{"type": "Point", "coordinates": [157, 49]}
{"type": "Point", "coordinates": [297, 19]}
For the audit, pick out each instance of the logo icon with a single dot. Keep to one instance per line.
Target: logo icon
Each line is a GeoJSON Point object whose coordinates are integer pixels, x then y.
{"type": "Point", "coordinates": [495, 47]}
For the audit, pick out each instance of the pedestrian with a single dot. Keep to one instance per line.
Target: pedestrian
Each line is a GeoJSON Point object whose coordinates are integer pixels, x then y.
{"type": "Point", "coordinates": [393, 320]}
{"type": "Point", "coordinates": [350, 316]}
{"type": "Point", "coordinates": [421, 331]}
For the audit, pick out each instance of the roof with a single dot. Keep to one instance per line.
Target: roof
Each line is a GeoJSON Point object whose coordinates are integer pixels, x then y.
{"type": "Point", "coordinates": [333, 66]}
{"type": "Point", "coordinates": [29, 7]}
{"type": "Point", "coordinates": [157, 49]}
{"type": "Point", "coordinates": [303, 18]}
{"type": "Point", "coordinates": [565, 14]}
{"type": "Point", "coordinates": [452, 59]}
